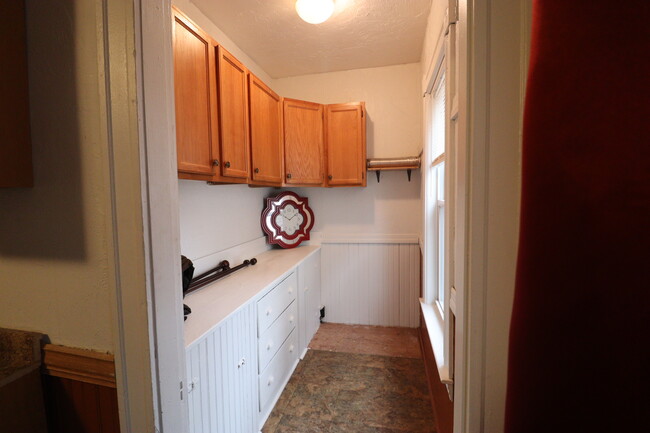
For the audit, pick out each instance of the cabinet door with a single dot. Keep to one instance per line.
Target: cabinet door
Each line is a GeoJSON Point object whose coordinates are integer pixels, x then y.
{"type": "Point", "coordinates": [233, 108]}
{"type": "Point", "coordinates": [346, 144]}
{"type": "Point", "coordinates": [222, 376]}
{"type": "Point", "coordinates": [197, 138]}
{"type": "Point", "coordinates": [266, 133]}
{"type": "Point", "coordinates": [303, 142]}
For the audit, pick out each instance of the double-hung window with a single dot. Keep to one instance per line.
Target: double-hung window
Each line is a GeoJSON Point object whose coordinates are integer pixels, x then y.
{"type": "Point", "coordinates": [438, 228]}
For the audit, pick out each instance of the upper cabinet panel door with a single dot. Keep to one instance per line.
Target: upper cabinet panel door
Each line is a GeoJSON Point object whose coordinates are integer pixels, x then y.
{"type": "Point", "coordinates": [303, 142]}
{"type": "Point", "coordinates": [197, 138]}
{"type": "Point", "coordinates": [266, 132]}
{"type": "Point", "coordinates": [233, 108]}
{"type": "Point", "coordinates": [346, 144]}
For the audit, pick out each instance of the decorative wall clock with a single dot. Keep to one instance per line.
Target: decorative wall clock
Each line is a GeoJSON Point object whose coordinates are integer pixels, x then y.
{"type": "Point", "coordinates": [287, 219]}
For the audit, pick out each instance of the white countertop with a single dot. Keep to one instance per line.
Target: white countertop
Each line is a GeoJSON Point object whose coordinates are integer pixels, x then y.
{"type": "Point", "coordinates": [213, 303]}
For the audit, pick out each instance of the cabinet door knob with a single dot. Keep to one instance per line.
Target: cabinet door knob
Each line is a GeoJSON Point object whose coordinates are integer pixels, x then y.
{"type": "Point", "coordinates": [268, 312]}
{"type": "Point", "coordinates": [215, 163]}
{"type": "Point", "coordinates": [329, 177]}
{"type": "Point", "coordinates": [291, 319]}
{"type": "Point", "coordinates": [257, 170]}
{"type": "Point", "coordinates": [227, 164]}
{"type": "Point", "coordinates": [270, 381]}
{"type": "Point", "coordinates": [268, 346]}
{"type": "Point", "coordinates": [288, 175]}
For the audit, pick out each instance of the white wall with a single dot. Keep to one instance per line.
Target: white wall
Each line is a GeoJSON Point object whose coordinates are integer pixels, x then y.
{"type": "Point", "coordinates": [434, 27]}
{"type": "Point", "coordinates": [215, 218]}
{"type": "Point", "coordinates": [54, 237]}
{"type": "Point", "coordinates": [394, 128]}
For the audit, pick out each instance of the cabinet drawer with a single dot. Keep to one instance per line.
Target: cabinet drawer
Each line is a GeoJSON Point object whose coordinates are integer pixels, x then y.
{"type": "Point", "coordinates": [274, 303]}
{"type": "Point", "coordinates": [273, 378]}
{"type": "Point", "coordinates": [270, 341]}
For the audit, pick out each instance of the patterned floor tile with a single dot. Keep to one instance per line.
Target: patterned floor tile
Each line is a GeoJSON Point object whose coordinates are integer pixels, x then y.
{"type": "Point", "coordinates": [341, 392]}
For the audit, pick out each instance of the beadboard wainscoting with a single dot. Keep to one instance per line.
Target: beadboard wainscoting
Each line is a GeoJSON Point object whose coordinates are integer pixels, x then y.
{"type": "Point", "coordinates": [371, 280]}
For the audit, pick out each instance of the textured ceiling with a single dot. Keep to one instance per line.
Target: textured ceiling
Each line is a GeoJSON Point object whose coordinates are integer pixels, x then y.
{"type": "Point", "coordinates": [360, 34]}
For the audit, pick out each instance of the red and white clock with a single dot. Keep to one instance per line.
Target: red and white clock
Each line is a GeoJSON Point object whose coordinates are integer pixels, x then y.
{"type": "Point", "coordinates": [287, 219]}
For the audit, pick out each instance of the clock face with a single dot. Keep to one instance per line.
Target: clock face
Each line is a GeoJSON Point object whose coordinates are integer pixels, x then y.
{"type": "Point", "coordinates": [287, 219]}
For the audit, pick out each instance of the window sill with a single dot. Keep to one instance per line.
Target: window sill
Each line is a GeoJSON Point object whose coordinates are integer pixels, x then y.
{"type": "Point", "coordinates": [435, 327]}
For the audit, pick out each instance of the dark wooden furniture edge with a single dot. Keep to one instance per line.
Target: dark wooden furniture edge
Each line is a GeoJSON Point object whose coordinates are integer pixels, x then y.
{"type": "Point", "coordinates": [443, 407]}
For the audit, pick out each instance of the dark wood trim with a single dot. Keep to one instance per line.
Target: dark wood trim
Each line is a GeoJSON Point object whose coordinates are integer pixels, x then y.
{"type": "Point", "coordinates": [80, 365]}
{"type": "Point", "coordinates": [443, 407]}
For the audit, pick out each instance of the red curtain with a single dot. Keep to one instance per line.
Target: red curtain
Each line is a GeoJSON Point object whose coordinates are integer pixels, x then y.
{"type": "Point", "coordinates": [580, 331]}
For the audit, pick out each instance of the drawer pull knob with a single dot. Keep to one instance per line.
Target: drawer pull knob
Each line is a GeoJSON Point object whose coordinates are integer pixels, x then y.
{"type": "Point", "coordinates": [270, 381]}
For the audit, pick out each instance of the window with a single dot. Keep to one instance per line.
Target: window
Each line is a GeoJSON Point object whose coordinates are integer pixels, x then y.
{"type": "Point", "coordinates": [435, 193]}
{"type": "Point", "coordinates": [439, 167]}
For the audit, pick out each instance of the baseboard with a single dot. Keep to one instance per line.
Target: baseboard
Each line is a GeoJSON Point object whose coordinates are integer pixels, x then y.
{"type": "Point", "coordinates": [78, 364]}
{"type": "Point", "coordinates": [443, 407]}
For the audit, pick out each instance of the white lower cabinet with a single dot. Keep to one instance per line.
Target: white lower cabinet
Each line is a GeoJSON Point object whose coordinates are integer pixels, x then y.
{"type": "Point", "coordinates": [222, 376]}
{"type": "Point", "coordinates": [308, 300]}
{"type": "Point", "coordinates": [238, 369]}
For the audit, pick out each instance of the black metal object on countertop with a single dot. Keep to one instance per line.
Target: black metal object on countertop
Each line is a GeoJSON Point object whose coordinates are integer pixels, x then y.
{"type": "Point", "coordinates": [220, 271]}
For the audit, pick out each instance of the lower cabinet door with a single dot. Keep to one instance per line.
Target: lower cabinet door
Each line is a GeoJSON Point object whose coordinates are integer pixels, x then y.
{"type": "Point", "coordinates": [222, 377]}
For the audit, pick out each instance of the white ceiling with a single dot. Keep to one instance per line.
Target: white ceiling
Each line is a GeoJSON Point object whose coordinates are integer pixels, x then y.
{"type": "Point", "coordinates": [360, 34]}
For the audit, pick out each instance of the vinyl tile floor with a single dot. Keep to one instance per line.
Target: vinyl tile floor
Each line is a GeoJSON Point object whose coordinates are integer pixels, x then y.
{"type": "Point", "coordinates": [338, 391]}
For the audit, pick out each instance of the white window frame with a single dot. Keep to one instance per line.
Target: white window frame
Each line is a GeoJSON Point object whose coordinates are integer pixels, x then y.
{"type": "Point", "coordinates": [439, 316]}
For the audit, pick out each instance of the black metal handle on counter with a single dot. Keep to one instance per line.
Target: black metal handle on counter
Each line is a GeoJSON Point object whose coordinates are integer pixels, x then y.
{"type": "Point", "coordinates": [224, 265]}
{"type": "Point", "coordinates": [208, 278]}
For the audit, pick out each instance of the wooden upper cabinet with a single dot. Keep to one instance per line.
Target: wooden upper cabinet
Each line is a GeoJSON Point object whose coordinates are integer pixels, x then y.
{"type": "Point", "coordinates": [346, 144]}
{"type": "Point", "coordinates": [303, 143]}
{"type": "Point", "coordinates": [197, 134]}
{"type": "Point", "coordinates": [233, 110]}
{"type": "Point", "coordinates": [265, 133]}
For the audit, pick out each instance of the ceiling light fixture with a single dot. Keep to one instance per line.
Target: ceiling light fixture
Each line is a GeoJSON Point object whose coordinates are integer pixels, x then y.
{"type": "Point", "coordinates": [315, 11]}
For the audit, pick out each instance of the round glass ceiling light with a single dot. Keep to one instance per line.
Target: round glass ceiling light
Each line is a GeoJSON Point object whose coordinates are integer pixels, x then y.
{"type": "Point", "coordinates": [315, 11]}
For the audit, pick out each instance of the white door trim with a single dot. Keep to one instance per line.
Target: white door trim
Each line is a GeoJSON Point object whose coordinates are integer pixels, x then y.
{"type": "Point", "coordinates": [156, 118]}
